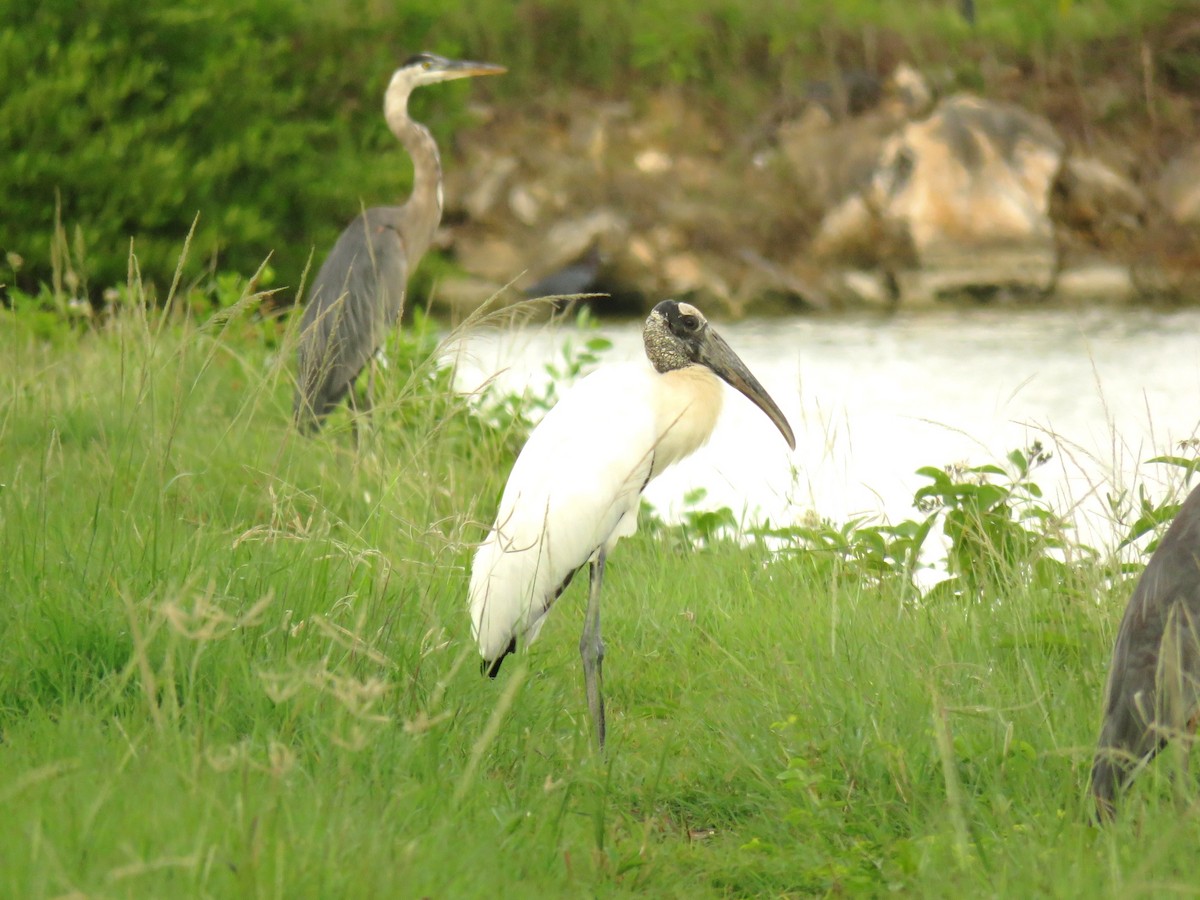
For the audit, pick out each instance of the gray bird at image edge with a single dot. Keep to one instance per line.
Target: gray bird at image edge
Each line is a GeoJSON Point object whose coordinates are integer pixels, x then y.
{"type": "Point", "coordinates": [1153, 692]}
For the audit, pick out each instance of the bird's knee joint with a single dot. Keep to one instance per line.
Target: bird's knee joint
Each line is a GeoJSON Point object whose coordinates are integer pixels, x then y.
{"type": "Point", "coordinates": [591, 649]}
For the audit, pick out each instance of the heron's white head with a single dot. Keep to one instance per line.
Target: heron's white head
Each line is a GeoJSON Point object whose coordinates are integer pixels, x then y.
{"type": "Point", "coordinates": [429, 68]}
{"type": "Point", "coordinates": [677, 335]}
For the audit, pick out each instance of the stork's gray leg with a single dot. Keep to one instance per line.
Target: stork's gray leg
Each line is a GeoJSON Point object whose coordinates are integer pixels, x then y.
{"type": "Point", "coordinates": [591, 648]}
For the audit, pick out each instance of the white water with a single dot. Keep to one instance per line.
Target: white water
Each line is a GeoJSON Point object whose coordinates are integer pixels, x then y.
{"type": "Point", "coordinates": [872, 399]}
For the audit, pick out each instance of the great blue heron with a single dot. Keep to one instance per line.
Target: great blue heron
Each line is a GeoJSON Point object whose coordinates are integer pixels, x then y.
{"type": "Point", "coordinates": [575, 487]}
{"type": "Point", "coordinates": [1153, 690]}
{"type": "Point", "coordinates": [358, 294]}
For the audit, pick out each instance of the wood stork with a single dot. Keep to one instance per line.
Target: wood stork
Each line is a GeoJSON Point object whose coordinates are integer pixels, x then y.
{"type": "Point", "coordinates": [575, 488]}
{"type": "Point", "coordinates": [1153, 692]}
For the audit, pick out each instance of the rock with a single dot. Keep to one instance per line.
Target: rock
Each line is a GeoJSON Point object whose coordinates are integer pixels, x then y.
{"type": "Point", "coordinates": [652, 162]}
{"type": "Point", "coordinates": [569, 239]}
{"type": "Point", "coordinates": [683, 273]}
{"type": "Point", "coordinates": [812, 119]}
{"type": "Point", "coordinates": [1001, 274]}
{"type": "Point", "coordinates": [524, 205]}
{"type": "Point", "coordinates": [461, 296]}
{"type": "Point", "coordinates": [968, 189]}
{"type": "Point", "coordinates": [848, 233]}
{"type": "Point", "coordinates": [1178, 188]}
{"type": "Point", "coordinates": [843, 200]}
{"type": "Point", "coordinates": [867, 288]}
{"type": "Point", "coordinates": [641, 251]}
{"type": "Point", "coordinates": [486, 186]}
{"type": "Point", "coordinates": [909, 88]}
{"type": "Point", "coordinates": [765, 276]}
{"type": "Point", "coordinates": [492, 258]}
{"type": "Point", "coordinates": [1096, 281]}
{"type": "Point", "coordinates": [1097, 198]}
{"type": "Point", "coordinates": [831, 161]}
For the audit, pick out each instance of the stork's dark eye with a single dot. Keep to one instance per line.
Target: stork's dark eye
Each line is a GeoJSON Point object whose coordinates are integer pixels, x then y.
{"type": "Point", "coordinates": [691, 323]}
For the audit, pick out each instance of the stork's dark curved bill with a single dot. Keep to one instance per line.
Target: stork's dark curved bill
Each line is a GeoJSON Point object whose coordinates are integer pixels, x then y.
{"type": "Point", "coordinates": [719, 356]}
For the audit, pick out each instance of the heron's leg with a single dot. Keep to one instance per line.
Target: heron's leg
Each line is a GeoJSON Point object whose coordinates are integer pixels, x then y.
{"type": "Point", "coordinates": [360, 407]}
{"type": "Point", "coordinates": [369, 399]}
{"type": "Point", "coordinates": [591, 648]}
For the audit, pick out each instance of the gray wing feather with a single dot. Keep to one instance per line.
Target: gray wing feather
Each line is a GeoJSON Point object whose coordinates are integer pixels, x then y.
{"type": "Point", "coordinates": [356, 298]}
{"type": "Point", "coordinates": [1154, 683]}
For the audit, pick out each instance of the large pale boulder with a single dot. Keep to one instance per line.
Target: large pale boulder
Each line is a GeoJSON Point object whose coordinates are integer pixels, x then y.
{"type": "Point", "coordinates": [967, 190]}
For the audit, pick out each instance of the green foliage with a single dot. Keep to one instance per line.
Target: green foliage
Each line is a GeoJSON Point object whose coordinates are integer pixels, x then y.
{"type": "Point", "coordinates": [996, 525]}
{"type": "Point", "coordinates": [998, 528]}
{"type": "Point", "coordinates": [879, 552]}
{"type": "Point", "coordinates": [1152, 515]}
{"type": "Point", "coordinates": [258, 122]}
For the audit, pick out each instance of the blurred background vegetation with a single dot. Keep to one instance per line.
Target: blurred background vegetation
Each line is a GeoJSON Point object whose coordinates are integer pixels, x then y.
{"type": "Point", "coordinates": [123, 122]}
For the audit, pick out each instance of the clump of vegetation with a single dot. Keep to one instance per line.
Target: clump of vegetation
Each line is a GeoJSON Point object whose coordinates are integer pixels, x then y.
{"type": "Point", "coordinates": [126, 123]}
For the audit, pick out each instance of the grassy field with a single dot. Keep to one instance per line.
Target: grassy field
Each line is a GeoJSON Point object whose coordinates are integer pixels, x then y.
{"type": "Point", "coordinates": [237, 663]}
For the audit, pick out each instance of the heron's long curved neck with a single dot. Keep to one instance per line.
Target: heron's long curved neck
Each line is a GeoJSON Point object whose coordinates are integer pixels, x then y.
{"type": "Point", "coordinates": [424, 206]}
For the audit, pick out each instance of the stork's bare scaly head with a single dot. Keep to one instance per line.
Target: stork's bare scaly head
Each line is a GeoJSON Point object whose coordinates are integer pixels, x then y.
{"type": "Point", "coordinates": [429, 68]}
{"type": "Point", "coordinates": [677, 335]}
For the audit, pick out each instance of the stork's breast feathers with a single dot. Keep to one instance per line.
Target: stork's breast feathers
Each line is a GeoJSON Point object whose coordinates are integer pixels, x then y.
{"type": "Point", "coordinates": [687, 404]}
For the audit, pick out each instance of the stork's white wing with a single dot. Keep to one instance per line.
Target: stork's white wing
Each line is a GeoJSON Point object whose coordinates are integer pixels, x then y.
{"type": "Point", "coordinates": [574, 487]}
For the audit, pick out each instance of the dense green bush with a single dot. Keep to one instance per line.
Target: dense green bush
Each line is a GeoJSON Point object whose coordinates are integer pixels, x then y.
{"type": "Point", "coordinates": [136, 118]}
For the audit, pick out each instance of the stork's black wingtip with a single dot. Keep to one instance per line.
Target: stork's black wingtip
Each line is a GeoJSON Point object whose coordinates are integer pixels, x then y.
{"type": "Point", "coordinates": [491, 667]}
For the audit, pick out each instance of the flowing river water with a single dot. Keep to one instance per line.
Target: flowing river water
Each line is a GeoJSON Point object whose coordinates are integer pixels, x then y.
{"type": "Point", "coordinates": [872, 399]}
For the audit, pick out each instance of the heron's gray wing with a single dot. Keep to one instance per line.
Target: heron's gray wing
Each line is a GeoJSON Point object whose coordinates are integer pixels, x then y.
{"type": "Point", "coordinates": [1154, 683]}
{"type": "Point", "coordinates": [357, 296]}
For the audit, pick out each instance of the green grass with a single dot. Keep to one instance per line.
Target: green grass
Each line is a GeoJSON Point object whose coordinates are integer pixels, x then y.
{"type": "Point", "coordinates": [237, 663]}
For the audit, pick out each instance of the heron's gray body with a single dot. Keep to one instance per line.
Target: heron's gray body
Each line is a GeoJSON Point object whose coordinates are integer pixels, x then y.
{"type": "Point", "coordinates": [1154, 683]}
{"type": "Point", "coordinates": [357, 297]}
{"type": "Point", "coordinates": [358, 294]}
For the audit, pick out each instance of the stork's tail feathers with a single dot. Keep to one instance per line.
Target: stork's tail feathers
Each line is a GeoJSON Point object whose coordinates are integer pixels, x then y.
{"type": "Point", "coordinates": [491, 667]}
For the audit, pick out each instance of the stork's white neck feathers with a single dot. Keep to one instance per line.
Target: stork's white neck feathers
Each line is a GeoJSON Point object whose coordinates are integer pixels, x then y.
{"type": "Point", "coordinates": [687, 403]}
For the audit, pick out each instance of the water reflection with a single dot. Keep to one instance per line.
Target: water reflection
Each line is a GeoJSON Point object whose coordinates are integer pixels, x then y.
{"type": "Point", "coordinates": [873, 399]}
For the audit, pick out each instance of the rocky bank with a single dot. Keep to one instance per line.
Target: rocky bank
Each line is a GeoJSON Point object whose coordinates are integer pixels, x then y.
{"type": "Point", "coordinates": [865, 192]}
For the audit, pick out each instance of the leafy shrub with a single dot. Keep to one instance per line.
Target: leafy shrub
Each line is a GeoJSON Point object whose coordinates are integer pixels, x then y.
{"type": "Point", "coordinates": [1155, 515]}
{"type": "Point", "coordinates": [994, 520]}
{"type": "Point", "coordinates": [264, 124]}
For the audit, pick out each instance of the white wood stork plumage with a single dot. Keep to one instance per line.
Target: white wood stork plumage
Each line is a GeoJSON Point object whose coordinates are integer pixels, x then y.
{"type": "Point", "coordinates": [575, 488]}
